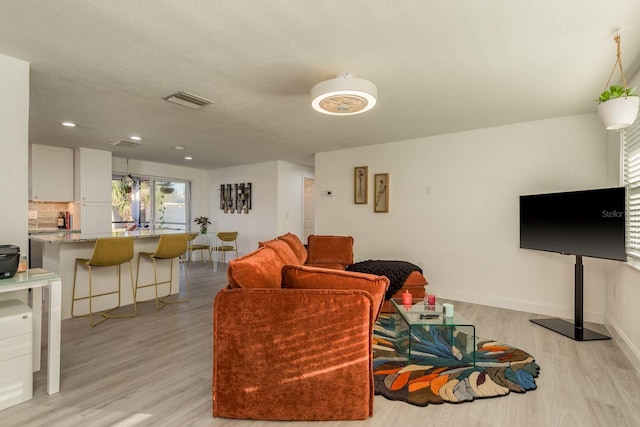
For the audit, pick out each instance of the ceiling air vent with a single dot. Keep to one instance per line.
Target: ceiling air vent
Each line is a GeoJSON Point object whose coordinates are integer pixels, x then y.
{"type": "Point", "coordinates": [188, 100]}
{"type": "Point", "coordinates": [122, 143]}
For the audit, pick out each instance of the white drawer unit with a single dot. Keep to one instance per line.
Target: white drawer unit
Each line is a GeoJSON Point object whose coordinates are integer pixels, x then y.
{"type": "Point", "coordinates": [16, 369]}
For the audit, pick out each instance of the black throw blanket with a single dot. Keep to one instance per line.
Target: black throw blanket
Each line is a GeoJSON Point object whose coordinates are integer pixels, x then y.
{"type": "Point", "coordinates": [396, 271]}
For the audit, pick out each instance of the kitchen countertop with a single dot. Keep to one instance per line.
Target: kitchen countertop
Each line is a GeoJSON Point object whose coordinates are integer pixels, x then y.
{"type": "Point", "coordinates": [51, 231]}
{"type": "Point", "coordinates": [67, 237]}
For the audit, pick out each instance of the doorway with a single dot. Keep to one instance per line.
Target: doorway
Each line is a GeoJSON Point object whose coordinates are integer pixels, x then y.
{"type": "Point", "coordinates": [308, 220]}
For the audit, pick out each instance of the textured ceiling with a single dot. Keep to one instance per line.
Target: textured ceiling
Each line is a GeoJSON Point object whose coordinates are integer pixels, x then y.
{"type": "Point", "coordinates": [440, 67]}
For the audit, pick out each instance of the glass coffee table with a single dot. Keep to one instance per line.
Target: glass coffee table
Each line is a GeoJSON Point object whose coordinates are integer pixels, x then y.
{"type": "Point", "coordinates": [422, 332]}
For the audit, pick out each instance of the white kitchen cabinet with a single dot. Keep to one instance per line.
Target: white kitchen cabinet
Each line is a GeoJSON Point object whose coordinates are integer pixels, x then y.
{"type": "Point", "coordinates": [93, 175]}
{"type": "Point", "coordinates": [51, 173]}
{"type": "Point", "coordinates": [95, 217]}
{"type": "Point", "coordinates": [93, 190]}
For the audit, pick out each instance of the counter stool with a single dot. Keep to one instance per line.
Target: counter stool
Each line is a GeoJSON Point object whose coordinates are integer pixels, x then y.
{"type": "Point", "coordinates": [169, 247]}
{"type": "Point", "coordinates": [107, 252]}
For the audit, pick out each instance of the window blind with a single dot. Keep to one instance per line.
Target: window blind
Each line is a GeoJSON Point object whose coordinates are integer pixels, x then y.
{"type": "Point", "coordinates": [631, 156]}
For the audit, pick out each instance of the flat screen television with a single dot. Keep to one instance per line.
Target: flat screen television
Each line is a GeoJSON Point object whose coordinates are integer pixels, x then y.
{"type": "Point", "coordinates": [588, 223]}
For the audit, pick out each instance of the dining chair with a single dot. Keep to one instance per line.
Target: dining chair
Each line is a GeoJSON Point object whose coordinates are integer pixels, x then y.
{"type": "Point", "coordinates": [226, 241]}
{"type": "Point", "coordinates": [192, 247]}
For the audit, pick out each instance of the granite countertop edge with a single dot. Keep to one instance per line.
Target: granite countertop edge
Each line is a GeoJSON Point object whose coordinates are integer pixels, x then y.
{"type": "Point", "coordinates": [86, 237]}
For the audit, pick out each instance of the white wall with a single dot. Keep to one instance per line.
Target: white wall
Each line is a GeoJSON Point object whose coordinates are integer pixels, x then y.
{"type": "Point", "coordinates": [260, 223]}
{"type": "Point", "coordinates": [199, 178]}
{"type": "Point", "coordinates": [290, 197]}
{"type": "Point", "coordinates": [623, 280]}
{"type": "Point", "coordinates": [276, 200]}
{"type": "Point", "coordinates": [466, 232]}
{"type": "Point", "coordinates": [14, 151]}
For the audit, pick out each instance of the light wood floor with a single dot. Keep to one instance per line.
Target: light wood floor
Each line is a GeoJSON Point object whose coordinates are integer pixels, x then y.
{"type": "Point", "coordinates": [155, 370]}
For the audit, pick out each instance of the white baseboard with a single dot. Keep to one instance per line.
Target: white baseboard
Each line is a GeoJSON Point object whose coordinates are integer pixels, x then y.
{"type": "Point", "coordinates": [632, 352]}
{"type": "Point", "coordinates": [563, 312]}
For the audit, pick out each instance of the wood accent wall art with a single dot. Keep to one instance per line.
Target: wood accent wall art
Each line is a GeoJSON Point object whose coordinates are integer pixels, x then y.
{"type": "Point", "coordinates": [235, 198]}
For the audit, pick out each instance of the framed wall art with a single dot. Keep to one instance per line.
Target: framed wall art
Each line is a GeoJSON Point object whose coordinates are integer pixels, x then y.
{"type": "Point", "coordinates": [361, 185]}
{"type": "Point", "coordinates": [235, 198]}
{"type": "Point", "coordinates": [381, 191]}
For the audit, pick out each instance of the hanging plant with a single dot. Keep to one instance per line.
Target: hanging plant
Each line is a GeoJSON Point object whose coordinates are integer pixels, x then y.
{"type": "Point", "coordinates": [120, 198]}
{"type": "Point", "coordinates": [618, 105]}
{"type": "Point", "coordinates": [166, 188]}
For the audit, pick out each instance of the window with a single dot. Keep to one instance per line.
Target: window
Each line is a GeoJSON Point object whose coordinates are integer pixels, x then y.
{"type": "Point", "coordinates": [631, 156]}
{"type": "Point", "coordinates": [146, 202]}
{"type": "Point", "coordinates": [170, 205]}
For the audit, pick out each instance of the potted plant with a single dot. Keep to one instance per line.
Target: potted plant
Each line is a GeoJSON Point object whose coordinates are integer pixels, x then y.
{"type": "Point", "coordinates": [618, 107]}
{"type": "Point", "coordinates": [203, 222]}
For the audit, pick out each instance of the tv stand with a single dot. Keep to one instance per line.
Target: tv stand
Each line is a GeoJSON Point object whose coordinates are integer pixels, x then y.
{"type": "Point", "coordinates": [575, 330]}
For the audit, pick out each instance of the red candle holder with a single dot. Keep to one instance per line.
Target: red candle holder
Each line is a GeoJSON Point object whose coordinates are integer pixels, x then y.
{"type": "Point", "coordinates": [407, 298]}
{"type": "Point", "coordinates": [431, 299]}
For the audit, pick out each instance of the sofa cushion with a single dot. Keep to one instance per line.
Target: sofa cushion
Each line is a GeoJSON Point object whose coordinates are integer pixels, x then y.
{"type": "Point", "coordinates": [330, 265]}
{"type": "Point", "coordinates": [296, 246]}
{"type": "Point", "coordinates": [305, 277]}
{"type": "Point", "coordinates": [283, 250]}
{"type": "Point", "coordinates": [259, 269]}
{"type": "Point", "coordinates": [330, 249]}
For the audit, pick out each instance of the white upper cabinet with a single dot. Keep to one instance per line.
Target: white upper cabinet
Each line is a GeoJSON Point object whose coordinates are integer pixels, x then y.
{"type": "Point", "coordinates": [51, 173]}
{"type": "Point", "coordinates": [93, 175]}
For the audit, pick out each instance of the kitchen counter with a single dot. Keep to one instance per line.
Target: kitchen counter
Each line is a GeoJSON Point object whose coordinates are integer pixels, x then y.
{"type": "Point", "coordinates": [61, 250]}
{"type": "Point", "coordinates": [33, 231]}
{"type": "Point", "coordinates": [88, 237]}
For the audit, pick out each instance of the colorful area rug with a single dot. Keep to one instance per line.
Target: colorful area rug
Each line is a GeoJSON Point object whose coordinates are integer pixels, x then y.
{"type": "Point", "coordinates": [443, 373]}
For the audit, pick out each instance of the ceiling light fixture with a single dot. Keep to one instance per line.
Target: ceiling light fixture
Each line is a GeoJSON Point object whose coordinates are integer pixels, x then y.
{"type": "Point", "coordinates": [179, 147]}
{"type": "Point", "coordinates": [135, 138]}
{"type": "Point", "coordinates": [68, 124]}
{"type": "Point", "coordinates": [188, 158]}
{"type": "Point", "coordinates": [188, 100]}
{"type": "Point", "coordinates": [344, 95]}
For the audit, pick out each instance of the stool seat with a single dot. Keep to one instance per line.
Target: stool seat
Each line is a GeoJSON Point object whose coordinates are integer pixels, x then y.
{"type": "Point", "coordinates": [107, 252]}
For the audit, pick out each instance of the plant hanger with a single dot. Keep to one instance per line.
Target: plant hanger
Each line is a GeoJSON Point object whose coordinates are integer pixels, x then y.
{"type": "Point", "coordinates": [618, 64]}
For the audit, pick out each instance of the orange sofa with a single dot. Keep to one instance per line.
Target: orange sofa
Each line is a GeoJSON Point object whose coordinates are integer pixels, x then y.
{"type": "Point", "coordinates": [336, 252]}
{"type": "Point", "coordinates": [294, 342]}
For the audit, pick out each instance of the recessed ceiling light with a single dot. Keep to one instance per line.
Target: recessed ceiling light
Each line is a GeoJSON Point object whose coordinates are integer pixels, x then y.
{"type": "Point", "coordinates": [188, 158]}
{"type": "Point", "coordinates": [68, 124]}
{"type": "Point", "coordinates": [135, 138]}
{"type": "Point", "coordinates": [179, 147]}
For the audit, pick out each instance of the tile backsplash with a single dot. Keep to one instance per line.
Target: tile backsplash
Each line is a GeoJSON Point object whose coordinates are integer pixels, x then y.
{"type": "Point", "coordinates": [47, 213]}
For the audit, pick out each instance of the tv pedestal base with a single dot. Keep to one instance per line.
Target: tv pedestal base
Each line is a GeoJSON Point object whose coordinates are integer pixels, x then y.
{"type": "Point", "coordinates": [575, 330]}
{"type": "Point", "coordinates": [570, 330]}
